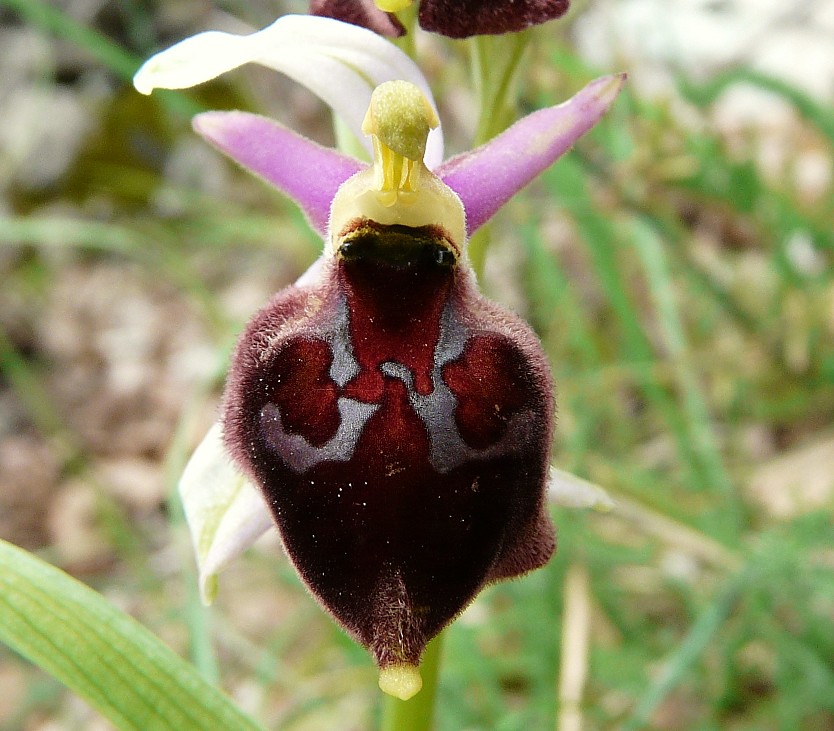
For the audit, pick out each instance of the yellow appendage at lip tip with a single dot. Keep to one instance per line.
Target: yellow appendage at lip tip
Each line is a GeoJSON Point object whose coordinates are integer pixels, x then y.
{"type": "Point", "coordinates": [400, 681]}
{"type": "Point", "coordinates": [392, 6]}
{"type": "Point", "coordinates": [399, 120]}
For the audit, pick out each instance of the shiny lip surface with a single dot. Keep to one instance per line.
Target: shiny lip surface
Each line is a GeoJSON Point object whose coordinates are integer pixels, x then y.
{"type": "Point", "coordinates": [398, 246]}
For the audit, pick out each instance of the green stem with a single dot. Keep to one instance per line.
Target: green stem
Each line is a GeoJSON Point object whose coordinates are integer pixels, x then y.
{"type": "Point", "coordinates": [417, 713]}
{"type": "Point", "coordinates": [495, 61]}
{"type": "Point", "coordinates": [407, 43]}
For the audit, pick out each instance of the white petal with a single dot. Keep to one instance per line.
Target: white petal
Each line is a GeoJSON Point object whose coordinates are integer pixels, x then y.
{"type": "Point", "coordinates": [339, 62]}
{"type": "Point", "coordinates": [225, 512]}
{"type": "Point", "coordinates": [570, 491]}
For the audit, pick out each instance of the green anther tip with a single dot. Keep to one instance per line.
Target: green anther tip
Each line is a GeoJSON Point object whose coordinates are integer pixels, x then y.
{"type": "Point", "coordinates": [400, 117]}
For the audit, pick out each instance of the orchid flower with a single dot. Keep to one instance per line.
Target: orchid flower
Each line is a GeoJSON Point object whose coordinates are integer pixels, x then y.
{"type": "Point", "coordinates": [453, 18]}
{"type": "Point", "coordinates": [391, 421]}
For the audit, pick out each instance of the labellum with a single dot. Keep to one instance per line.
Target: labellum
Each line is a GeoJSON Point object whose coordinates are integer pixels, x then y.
{"type": "Point", "coordinates": [397, 422]}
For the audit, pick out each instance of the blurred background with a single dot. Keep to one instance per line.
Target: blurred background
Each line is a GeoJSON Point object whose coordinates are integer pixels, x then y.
{"type": "Point", "coordinates": [678, 265]}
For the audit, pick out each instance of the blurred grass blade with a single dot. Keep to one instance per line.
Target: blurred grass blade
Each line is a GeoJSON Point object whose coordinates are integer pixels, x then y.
{"type": "Point", "coordinates": [60, 232]}
{"type": "Point", "coordinates": [568, 182]}
{"type": "Point", "coordinates": [816, 113]}
{"type": "Point", "coordinates": [48, 18]}
{"type": "Point", "coordinates": [689, 650]}
{"type": "Point", "coordinates": [102, 654]}
{"type": "Point", "coordinates": [651, 253]}
{"type": "Point", "coordinates": [554, 308]}
{"type": "Point", "coordinates": [55, 22]}
{"type": "Point", "coordinates": [155, 247]}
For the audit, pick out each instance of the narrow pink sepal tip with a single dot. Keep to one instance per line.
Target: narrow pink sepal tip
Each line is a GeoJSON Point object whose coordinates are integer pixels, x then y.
{"type": "Point", "coordinates": [487, 177]}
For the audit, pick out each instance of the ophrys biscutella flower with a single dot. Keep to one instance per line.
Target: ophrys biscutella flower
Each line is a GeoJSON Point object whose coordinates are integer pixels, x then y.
{"type": "Point", "coordinates": [396, 423]}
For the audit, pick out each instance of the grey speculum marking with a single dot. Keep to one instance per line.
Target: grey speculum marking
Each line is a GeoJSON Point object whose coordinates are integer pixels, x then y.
{"type": "Point", "coordinates": [344, 366]}
{"type": "Point", "coordinates": [436, 410]}
{"type": "Point", "coordinates": [300, 455]}
{"type": "Point", "coordinates": [447, 450]}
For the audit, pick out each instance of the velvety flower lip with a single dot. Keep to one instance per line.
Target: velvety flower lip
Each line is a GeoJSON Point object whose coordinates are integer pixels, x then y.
{"type": "Point", "coordinates": [462, 18]}
{"type": "Point", "coordinates": [387, 410]}
{"type": "Point", "coordinates": [484, 178]}
{"type": "Point", "coordinates": [452, 18]}
{"type": "Point", "coordinates": [476, 342]}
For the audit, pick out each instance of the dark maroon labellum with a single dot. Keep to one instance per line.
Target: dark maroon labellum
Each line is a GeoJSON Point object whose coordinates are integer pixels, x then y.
{"type": "Point", "coordinates": [452, 18]}
{"type": "Point", "coordinates": [464, 18]}
{"type": "Point", "coordinates": [399, 426]}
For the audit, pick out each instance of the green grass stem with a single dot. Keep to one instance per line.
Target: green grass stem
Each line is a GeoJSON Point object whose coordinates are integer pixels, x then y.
{"type": "Point", "coordinates": [570, 186]}
{"type": "Point", "coordinates": [679, 662]}
{"type": "Point", "coordinates": [662, 288]}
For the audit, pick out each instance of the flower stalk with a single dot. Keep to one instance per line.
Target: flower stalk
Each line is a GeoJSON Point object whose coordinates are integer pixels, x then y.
{"type": "Point", "coordinates": [495, 62]}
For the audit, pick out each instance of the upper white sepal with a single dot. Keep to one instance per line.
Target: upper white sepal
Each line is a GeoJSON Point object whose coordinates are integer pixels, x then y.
{"type": "Point", "coordinates": [339, 62]}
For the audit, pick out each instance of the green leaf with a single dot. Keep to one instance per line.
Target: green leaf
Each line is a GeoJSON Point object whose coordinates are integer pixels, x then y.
{"type": "Point", "coordinates": [102, 654]}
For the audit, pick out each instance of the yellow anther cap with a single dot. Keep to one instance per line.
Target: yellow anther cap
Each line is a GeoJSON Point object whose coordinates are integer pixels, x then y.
{"type": "Point", "coordinates": [398, 189]}
{"type": "Point", "coordinates": [399, 120]}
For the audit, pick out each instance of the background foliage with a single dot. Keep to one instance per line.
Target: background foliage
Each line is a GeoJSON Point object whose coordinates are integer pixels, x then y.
{"type": "Point", "coordinates": [678, 265]}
